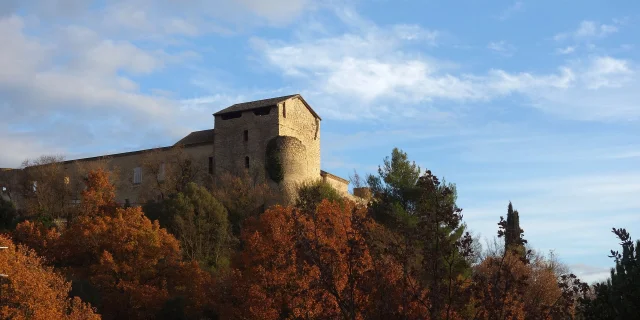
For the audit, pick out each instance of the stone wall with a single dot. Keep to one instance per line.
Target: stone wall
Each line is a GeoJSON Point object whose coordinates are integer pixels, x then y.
{"type": "Point", "coordinates": [295, 120]}
{"type": "Point", "coordinates": [231, 150]}
{"type": "Point", "coordinates": [122, 168]}
{"type": "Point", "coordinates": [337, 183]}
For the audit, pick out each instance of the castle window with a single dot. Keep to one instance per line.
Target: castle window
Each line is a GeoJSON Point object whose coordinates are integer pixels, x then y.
{"type": "Point", "coordinates": [246, 162]}
{"type": "Point", "coordinates": [232, 115]}
{"type": "Point", "coordinates": [66, 180]}
{"type": "Point", "coordinates": [262, 111]}
{"type": "Point", "coordinates": [210, 165]}
{"type": "Point", "coordinates": [246, 135]}
{"type": "Point", "coordinates": [284, 110]}
{"type": "Point", "coordinates": [137, 175]}
{"type": "Point", "coordinates": [161, 172]}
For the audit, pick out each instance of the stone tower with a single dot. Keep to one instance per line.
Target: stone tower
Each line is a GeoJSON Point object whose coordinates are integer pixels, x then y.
{"type": "Point", "coordinates": [277, 140]}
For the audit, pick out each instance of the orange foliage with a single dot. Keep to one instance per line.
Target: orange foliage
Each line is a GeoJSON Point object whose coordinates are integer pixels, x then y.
{"type": "Point", "coordinates": [37, 237]}
{"type": "Point", "coordinates": [509, 288]}
{"type": "Point", "coordinates": [33, 291]}
{"type": "Point", "coordinates": [99, 196]}
{"type": "Point", "coordinates": [297, 265]}
{"type": "Point", "coordinates": [135, 264]}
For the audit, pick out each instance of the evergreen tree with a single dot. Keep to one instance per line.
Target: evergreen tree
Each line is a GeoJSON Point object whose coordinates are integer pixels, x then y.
{"type": "Point", "coordinates": [619, 296]}
{"type": "Point", "coordinates": [395, 190]}
{"type": "Point", "coordinates": [201, 224]}
{"type": "Point", "coordinates": [426, 230]}
{"type": "Point", "coordinates": [512, 232]}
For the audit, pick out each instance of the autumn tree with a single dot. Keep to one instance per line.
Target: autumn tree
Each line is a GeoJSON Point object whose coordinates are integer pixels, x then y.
{"type": "Point", "coordinates": [243, 196]}
{"type": "Point", "coordinates": [168, 171]}
{"type": "Point", "coordinates": [134, 265]}
{"type": "Point", "coordinates": [311, 194]}
{"type": "Point", "coordinates": [98, 198]}
{"type": "Point", "coordinates": [44, 188]}
{"type": "Point", "coordinates": [317, 266]}
{"type": "Point", "coordinates": [515, 284]}
{"type": "Point", "coordinates": [34, 291]}
{"type": "Point", "coordinates": [201, 224]}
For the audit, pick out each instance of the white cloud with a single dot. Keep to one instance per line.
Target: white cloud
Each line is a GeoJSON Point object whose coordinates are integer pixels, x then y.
{"type": "Point", "coordinates": [375, 67]}
{"type": "Point", "coordinates": [566, 50]}
{"type": "Point", "coordinates": [502, 47]}
{"type": "Point", "coordinates": [607, 72]}
{"type": "Point", "coordinates": [590, 274]}
{"type": "Point", "coordinates": [588, 30]}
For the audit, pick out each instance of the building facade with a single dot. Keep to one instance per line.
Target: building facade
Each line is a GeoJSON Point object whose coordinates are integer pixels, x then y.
{"type": "Point", "coordinates": [276, 140]}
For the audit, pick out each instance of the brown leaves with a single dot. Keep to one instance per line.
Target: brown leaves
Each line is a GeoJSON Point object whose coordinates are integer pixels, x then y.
{"type": "Point", "coordinates": [98, 198]}
{"type": "Point", "coordinates": [315, 265]}
{"type": "Point", "coordinates": [33, 291]}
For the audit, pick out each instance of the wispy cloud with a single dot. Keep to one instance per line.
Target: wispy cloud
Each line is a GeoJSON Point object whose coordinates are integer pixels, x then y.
{"type": "Point", "coordinates": [502, 47]}
{"type": "Point", "coordinates": [376, 67]}
{"type": "Point", "coordinates": [566, 50]}
{"type": "Point", "coordinates": [588, 30]}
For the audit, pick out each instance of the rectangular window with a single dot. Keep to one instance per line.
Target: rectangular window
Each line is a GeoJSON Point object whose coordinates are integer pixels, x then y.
{"type": "Point", "coordinates": [66, 180]}
{"type": "Point", "coordinates": [210, 165]}
{"type": "Point", "coordinates": [246, 135]}
{"type": "Point", "coordinates": [246, 162]}
{"type": "Point", "coordinates": [161, 172]}
{"type": "Point", "coordinates": [284, 110]}
{"type": "Point", "coordinates": [137, 175]}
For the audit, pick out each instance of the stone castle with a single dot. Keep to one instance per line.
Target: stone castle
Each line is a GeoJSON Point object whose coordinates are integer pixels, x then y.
{"type": "Point", "coordinates": [277, 140]}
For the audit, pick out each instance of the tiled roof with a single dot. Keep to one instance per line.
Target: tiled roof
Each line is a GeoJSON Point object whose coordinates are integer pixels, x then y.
{"type": "Point", "coordinates": [251, 105]}
{"type": "Point", "coordinates": [197, 137]}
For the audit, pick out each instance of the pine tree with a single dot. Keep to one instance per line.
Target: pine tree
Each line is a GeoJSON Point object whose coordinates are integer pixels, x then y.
{"type": "Point", "coordinates": [619, 296]}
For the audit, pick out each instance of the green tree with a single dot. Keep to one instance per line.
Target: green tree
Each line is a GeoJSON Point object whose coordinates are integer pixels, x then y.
{"type": "Point", "coordinates": [202, 226]}
{"type": "Point", "coordinates": [512, 232]}
{"type": "Point", "coordinates": [426, 231]}
{"type": "Point", "coordinates": [8, 215]}
{"type": "Point", "coordinates": [619, 296]}
{"type": "Point", "coordinates": [394, 190]}
{"type": "Point", "coordinates": [311, 194]}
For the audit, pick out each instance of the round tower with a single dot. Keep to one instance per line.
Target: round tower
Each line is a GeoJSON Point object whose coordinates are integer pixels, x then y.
{"type": "Point", "coordinates": [286, 165]}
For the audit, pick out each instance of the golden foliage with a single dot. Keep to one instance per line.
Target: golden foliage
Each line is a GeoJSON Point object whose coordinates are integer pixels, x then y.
{"type": "Point", "coordinates": [34, 291]}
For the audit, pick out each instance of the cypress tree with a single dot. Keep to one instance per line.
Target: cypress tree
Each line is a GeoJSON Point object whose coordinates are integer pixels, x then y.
{"type": "Point", "coordinates": [513, 239]}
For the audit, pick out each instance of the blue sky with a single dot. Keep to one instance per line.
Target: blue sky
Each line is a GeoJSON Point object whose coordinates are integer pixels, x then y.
{"type": "Point", "coordinates": [537, 102]}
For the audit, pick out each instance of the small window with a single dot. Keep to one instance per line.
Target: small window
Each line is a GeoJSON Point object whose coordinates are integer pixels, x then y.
{"type": "Point", "coordinates": [232, 115]}
{"type": "Point", "coordinates": [210, 165]}
{"type": "Point", "coordinates": [137, 175]}
{"type": "Point", "coordinates": [4, 189]}
{"type": "Point", "coordinates": [284, 110]}
{"type": "Point", "coordinates": [66, 180]}
{"type": "Point", "coordinates": [161, 172]}
{"type": "Point", "coordinates": [262, 111]}
{"type": "Point", "coordinates": [35, 186]}
{"type": "Point", "coordinates": [246, 162]}
{"type": "Point", "coordinates": [246, 135]}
